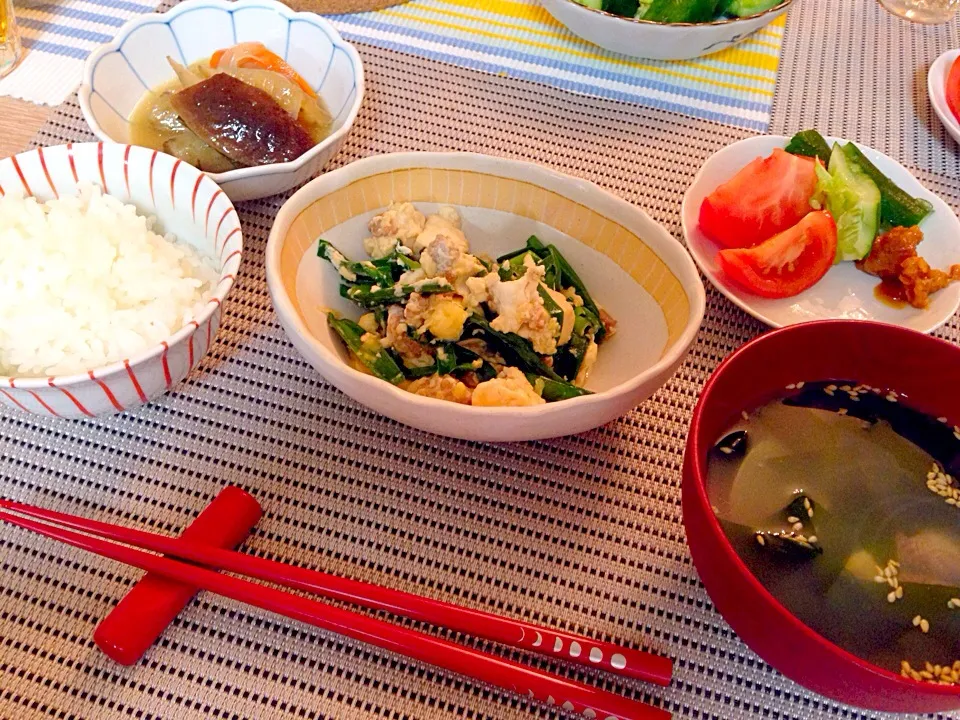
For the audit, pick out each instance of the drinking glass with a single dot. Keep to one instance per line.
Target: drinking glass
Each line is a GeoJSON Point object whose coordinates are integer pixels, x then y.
{"type": "Point", "coordinates": [929, 12]}
{"type": "Point", "coordinates": [10, 47]}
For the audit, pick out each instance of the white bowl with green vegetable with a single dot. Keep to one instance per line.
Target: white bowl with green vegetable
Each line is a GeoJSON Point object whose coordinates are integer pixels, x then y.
{"type": "Point", "coordinates": [481, 298]}
{"type": "Point", "coordinates": [665, 29]}
{"type": "Point", "coordinates": [812, 228]}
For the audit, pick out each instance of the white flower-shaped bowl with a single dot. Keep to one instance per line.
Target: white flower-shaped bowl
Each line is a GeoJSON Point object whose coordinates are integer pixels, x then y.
{"type": "Point", "coordinates": [937, 89]}
{"type": "Point", "coordinates": [117, 75]}
{"type": "Point", "coordinates": [186, 203]}
{"type": "Point", "coordinates": [630, 263]}
{"type": "Point", "coordinates": [657, 41]}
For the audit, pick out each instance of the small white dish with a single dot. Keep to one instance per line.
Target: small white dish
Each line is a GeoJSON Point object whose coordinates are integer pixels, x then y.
{"type": "Point", "coordinates": [649, 285]}
{"type": "Point", "coordinates": [658, 41]}
{"type": "Point", "coordinates": [937, 89]}
{"type": "Point", "coordinates": [844, 292]}
{"type": "Point", "coordinates": [117, 75]}
{"type": "Point", "coordinates": [186, 203]}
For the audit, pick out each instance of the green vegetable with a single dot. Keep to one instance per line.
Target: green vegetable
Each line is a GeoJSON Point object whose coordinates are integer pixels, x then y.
{"type": "Point", "coordinates": [550, 305]}
{"type": "Point", "coordinates": [554, 390]}
{"type": "Point", "coordinates": [854, 201]}
{"type": "Point", "coordinates": [446, 360]}
{"type": "Point", "coordinates": [744, 8]}
{"type": "Point", "coordinates": [569, 358]}
{"type": "Point", "coordinates": [681, 11]}
{"type": "Point", "coordinates": [516, 350]}
{"type": "Point", "coordinates": [897, 208]}
{"type": "Point", "coordinates": [370, 353]}
{"type": "Point", "coordinates": [811, 144]}
{"type": "Point", "coordinates": [624, 8]}
{"type": "Point", "coordinates": [569, 278]}
{"type": "Point", "coordinates": [368, 297]}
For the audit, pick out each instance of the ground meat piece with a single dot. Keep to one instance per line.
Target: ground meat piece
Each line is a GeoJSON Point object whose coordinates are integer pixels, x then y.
{"type": "Point", "coordinates": [890, 250]}
{"type": "Point", "coordinates": [609, 324]}
{"type": "Point", "coordinates": [441, 387]}
{"type": "Point", "coordinates": [413, 353]}
{"type": "Point", "coordinates": [920, 281]}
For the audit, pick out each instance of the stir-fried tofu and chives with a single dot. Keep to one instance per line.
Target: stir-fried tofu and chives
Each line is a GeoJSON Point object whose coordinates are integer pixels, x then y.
{"type": "Point", "coordinates": [442, 322]}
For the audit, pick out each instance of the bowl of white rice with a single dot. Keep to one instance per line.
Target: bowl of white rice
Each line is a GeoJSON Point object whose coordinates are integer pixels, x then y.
{"type": "Point", "coordinates": [115, 262]}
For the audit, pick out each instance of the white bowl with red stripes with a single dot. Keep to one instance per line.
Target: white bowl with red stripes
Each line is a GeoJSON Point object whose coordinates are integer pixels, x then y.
{"type": "Point", "coordinates": [186, 203]}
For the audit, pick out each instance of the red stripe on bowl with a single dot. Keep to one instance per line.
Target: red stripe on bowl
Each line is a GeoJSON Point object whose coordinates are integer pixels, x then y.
{"type": "Point", "coordinates": [43, 164]}
{"type": "Point", "coordinates": [106, 391]}
{"type": "Point", "coordinates": [73, 164]}
{"type": "Point", "coordinates": [220, 224]}
{"type": "Point", "coordinates": [196, 326]}
{"type": "Point", "coordinates": [227, 239]}
{"type": "Point", "coordinates": [173, 179]}
{"type": "Point", "coordinates": [193, 200]}
{"type": "Point", "coordinates": [103, 177]}
{"type": "Point", "coordinates": [153, 159]}
{"type": "Point", "coordinates": [2, 193]}
{"type": "Point", "coordinates": [166, 365]}
{"type": "Point", "coordinates": [43, 404]}
{"type": "Point", "coordinates": [12, 399]}
{"type": "Point", "coordinates": [230, 256]}
{"type": "Point", "coordinates": [23, 180]}
{"type": "Point", "coordinates": [206, 223]}
{"type": "Point", "coordinates": [133, 379]}
{"type": "Point", "coordinates": [71, 397]}
{"type": "Point", "coordinates": [209, 327]}
{"type": "Point", "coordinates": [126, 168]}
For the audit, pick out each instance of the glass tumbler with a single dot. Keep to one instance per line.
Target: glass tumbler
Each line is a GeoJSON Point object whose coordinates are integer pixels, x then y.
{"type": "Point", "coordinates": [929, 12]}
{"type": "Point", "coordinates": [10, 46]}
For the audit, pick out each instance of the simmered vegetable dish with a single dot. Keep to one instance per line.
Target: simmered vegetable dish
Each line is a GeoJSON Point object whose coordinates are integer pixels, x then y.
{"type": "Point", "coordinates": [242, 107]}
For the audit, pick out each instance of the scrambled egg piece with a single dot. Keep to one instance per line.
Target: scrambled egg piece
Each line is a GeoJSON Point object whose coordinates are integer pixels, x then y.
{"type": "Point", "coordinates": [442, 314]}
{"type": "Point", "coordinates": [446, 223]}
{"type": "Point", "coordinates": [401, 222]}
{"type": "Point", "coordinates": [509, 389]}
{"type": "Point", "coordinates": [566, 328]}
{"type": "Point", "coordinates": [589, 360]}
{"type": "Point", "coordinates": [520, 309]}
{"type": "Point", "coordinates": [441, 387]}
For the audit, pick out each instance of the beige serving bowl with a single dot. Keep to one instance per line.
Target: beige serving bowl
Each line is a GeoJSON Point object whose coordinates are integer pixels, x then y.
{"type": "Point", "coordinates": [631, 264]}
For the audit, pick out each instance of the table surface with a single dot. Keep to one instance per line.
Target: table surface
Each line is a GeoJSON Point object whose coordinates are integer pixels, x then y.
{"type": "Point", "coordinates": [19, 122]}
{"type": "Point", "coordinates": [583, 532]}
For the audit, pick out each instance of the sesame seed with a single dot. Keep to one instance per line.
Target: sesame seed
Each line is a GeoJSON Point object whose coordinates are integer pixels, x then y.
{"type": "Point", "coordinates": [942, 419]}
{"type": "Point", "coordinates": [812, 538]}
{"type": "Point", "coordinates": [726, 450]}
{"type": "Point", "coordinates": [880, 579]}
{"type": "Point", "coordinates": [954, 603]}
{"type": "Point", "coordinates": [793, 519]}
{"type": "Point", "coordinates": [792, 386]}
{"type": "Point", "coordinates": [760, 540]}
{"type": "Point", "coordinates": [899, 592]}
{"type": "Point", "coordinates": [891, 597]}
{"type": "Point", "coordinates": [828, 391]}
{"type": "Point", "coordinates": [845, 388]}
{"type": "Point", "coordinates": [925, 627]}
{"type": "Point", "coordinates": [800, 384]}
{"type": "Point", "coordinates": [831, 387]}
{"type": "Point", "coordinates": [744, 415]}
{"type": "Point", "coordinates": [798, 526]}
{"type": "Point", "coordinates": [842, 411]}
{"type": "Point", "coordinates": [916, 621]}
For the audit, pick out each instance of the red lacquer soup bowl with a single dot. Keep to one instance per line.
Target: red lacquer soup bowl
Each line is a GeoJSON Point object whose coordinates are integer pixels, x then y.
{"type": "Point", "coordinates": [924, 370]}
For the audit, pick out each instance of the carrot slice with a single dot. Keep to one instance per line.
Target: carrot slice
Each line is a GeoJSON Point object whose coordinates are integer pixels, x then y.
{"type": "Point", "coordinates": [256, 55]}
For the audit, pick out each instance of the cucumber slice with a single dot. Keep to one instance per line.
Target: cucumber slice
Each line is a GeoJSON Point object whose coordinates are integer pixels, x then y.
{"type": "Point", "coordinates": [681, 11]}
{"type": "Point", "coordinates": [897, 207]}
{"type": "Point", "coordinates": [809, 143]}
{"type": "Point", "coordinates": [744, 8]}
{"type": "Point", "coordinates": [624, 8]}
{"type": "Point", "coordinates": [594, 4]}
{"type": "Point", "coordinates": [854, 201]}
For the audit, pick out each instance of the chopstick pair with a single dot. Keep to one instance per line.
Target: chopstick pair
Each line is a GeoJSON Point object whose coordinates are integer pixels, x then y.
{"type": "Point", "coordinates": [504, 673]}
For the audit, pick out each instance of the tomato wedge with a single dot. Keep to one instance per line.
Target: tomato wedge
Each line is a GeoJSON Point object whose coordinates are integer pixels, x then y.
{"type": "Point", "coordinates": [953, 89]}
{"type": "Point", "coordinates": [788, 263]}
{"type": "Point", "coordinates": [767, 196]}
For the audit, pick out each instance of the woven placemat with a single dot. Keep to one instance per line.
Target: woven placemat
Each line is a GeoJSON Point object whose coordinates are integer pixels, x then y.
{"type": "Point", "coordinates": [582, 532]}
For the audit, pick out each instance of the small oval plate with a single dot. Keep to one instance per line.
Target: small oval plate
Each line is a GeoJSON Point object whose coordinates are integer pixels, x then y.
{"type": "Point", "coordinates": [844, 292]}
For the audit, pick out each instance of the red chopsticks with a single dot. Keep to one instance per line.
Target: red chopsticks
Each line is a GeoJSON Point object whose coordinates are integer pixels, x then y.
{"type": "Point", "coordinates": [572, 695]}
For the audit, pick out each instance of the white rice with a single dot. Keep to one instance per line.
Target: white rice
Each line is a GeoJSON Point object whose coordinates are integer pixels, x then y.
{"type": "Point", "coordinates": [85, 282]}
